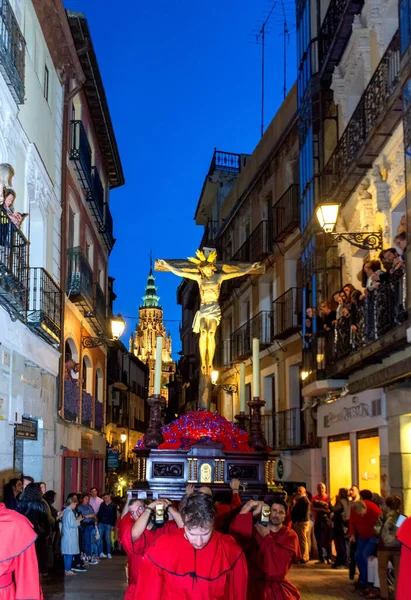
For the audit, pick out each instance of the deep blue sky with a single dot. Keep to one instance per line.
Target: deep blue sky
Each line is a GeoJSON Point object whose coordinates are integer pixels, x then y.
{"type": "Point", "coordinates": [181, 78]}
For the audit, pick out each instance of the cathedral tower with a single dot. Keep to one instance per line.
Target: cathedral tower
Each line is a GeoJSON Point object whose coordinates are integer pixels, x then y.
{"type": "Point", "coordinates": [143, 342]}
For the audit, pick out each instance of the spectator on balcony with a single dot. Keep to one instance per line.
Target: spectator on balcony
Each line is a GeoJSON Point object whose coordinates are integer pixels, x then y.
{"type": "Point", "coordinates": [339, 298]}
{"type": "Point", "coordinates": [400, 241]}
{"type": "Point", "coordinates": [372, 276]}
{"type": "Point", "coordinates": [68, 367]}
{"type": "Point", "coordinates": [329, 315]}
{"type": "Point", "coordinates": [402, 227]}
{"type": "Point", "coordinates": [15, 217]}
{"type": "Point", "coordinates": [357, 319]}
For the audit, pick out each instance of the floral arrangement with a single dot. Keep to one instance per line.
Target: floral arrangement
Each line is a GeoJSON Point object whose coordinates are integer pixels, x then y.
{"type": "Point", "coordinates": [202, 425]}
{"type": "Point", "coordinates": [87, 409]}
{"type": "Point", "coordinates": [98, 417]}
{"type": "Point", "coordinates": [71, 400]}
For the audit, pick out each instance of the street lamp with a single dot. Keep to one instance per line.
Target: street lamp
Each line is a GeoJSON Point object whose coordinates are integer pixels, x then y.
{"type": "Point", "coordinates": [123, 437]}
{"type": "Point", "coordinates": [327, 214]}
{"type": "Point", "coordinates": [227, 387]}
{"type": "Point", "coordinates": [117, 325]}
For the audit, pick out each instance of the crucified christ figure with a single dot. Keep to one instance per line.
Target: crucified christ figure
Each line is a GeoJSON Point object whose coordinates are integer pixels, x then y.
{"type": "Point", "coordinates": [209, 275]}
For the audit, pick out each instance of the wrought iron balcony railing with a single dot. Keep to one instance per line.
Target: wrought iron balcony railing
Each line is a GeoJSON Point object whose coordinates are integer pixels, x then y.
{"type": "Point", "coordinates": [335, 31]}
{"type": "Point", "coordinates": [95, 196]}
{"type": "Point", "coordinates": [12, 52]}
{"type": "Point", "coordinates": [222, 358]}
{"type": "Point", "coordinates": [100, 305]}
{"type": "Point", "coordinates": [260, 326]}
{"type": "Point", "coordinates": [44, 305]}
{"type": "Point", "coordinates": [289, 428]}
{"type": "Point", "coordinates": [375, 117]}
{"type": "Point", "coordinates": [80, 153]}
{"type": "Point", "coordinates": [13, 266]}
{"type": "Point", "coordinates": [225, 161]}
{"type": "Point", "coordinates": [210, 233]}
{"type": "Point", "coordinates": [71, 401]}
{"type": "Point", "coordinates": [286, 217]}
{"type": "Point", "coordinates": [79, 277]}
{"type": "Point", "coordinates": [287, 314]}
{"type": "Point", "coordinates": [106, 229]}
{"type": "Point", "coordinates": [257, 246]}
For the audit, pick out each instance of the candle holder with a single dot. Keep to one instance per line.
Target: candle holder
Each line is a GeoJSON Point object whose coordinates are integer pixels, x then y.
{"type": "Point", "coordinates": [153, 438]}
{"type": "Point", "coordinates": [242, 419]}
{"type": "Point", "coordinates": [256, 436]}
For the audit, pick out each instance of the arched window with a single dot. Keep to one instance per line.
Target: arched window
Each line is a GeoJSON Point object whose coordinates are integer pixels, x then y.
{"type": "Point", "coordinates": [98, 385]}
{"type": "Point", "coordinates": [70, 350]}
{"type": "Point", "coordinates": [87, 375]}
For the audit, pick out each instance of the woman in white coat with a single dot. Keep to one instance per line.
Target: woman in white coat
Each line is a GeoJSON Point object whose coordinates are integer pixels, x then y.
{"type": "Point", "coordinates": [70, 531]}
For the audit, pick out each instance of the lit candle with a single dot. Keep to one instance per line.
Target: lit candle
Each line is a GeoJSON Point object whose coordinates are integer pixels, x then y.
{"type": "Point", "coordinates": [157, 373]}
{"type": "Point", "coordinates": [256, 368]}
{"type": "Point", "coordinates": [242, 387]}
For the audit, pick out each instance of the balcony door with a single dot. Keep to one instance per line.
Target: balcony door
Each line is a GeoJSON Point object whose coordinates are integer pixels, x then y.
{"type": "Point", "coordinates": [269, 409]}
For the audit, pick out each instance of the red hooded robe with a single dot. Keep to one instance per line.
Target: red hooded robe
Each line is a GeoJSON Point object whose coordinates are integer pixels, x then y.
{"type": "Point", "coordinates": [173, 570]}
{"type": "Point", "coordinates": [135, 550]}
{"type": "Point", "coordinates": [403, 585]}
{"type": "Point", "coordinates": [19, 573]}
{"type": "Point", "coordinates": [269, 559]}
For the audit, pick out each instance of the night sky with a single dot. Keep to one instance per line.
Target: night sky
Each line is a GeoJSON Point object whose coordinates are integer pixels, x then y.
{"type": "Point", "coordinates": [181, 78]}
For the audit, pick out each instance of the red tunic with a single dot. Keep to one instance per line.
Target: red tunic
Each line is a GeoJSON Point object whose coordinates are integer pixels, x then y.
{"type": "Point", "coordinates": [364, 524]}
{"type": "Point", "coordinates": [135, 550]}
{"type": "Point", "coordinates": [19, 573]}
{"type": "Point", "coordinates": [269, 559]}
{"type": "Point", "coordinates": [224, 513]}
{"type": "Point", "coordinates": [403, 585]}
{"type": "Point", "coordinates": [173, 570]}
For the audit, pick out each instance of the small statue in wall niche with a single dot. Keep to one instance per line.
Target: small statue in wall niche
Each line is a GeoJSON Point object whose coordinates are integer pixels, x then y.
{"type": "Point", "coordinates": [363, 193]}
{"type": "Point", "coordinates": [6, 179]}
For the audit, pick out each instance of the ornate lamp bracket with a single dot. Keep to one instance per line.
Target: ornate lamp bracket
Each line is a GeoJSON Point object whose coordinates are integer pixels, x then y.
{"type": "Point", "coordinates": [93, 342]}
{"type": "Point", "coordinates": [364, 240]}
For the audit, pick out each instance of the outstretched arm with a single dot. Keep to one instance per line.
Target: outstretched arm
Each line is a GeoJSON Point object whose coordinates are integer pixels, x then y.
{"type": "Point", "coordinates": [254, 268]}
{"type": "Point", "coordinates": [162, 265]}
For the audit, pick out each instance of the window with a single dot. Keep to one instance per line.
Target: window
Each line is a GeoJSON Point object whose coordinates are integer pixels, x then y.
{"type": "Point", "coordinates": [46, 83]}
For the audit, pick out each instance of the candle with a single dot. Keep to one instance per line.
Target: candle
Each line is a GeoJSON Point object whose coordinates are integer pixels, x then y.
{"type": "Point", "coordinates": [256, 368]}
{"type": "Point", "coordinates": [157, 374]}
{"type": "Point", "coordinates": [242, 387]}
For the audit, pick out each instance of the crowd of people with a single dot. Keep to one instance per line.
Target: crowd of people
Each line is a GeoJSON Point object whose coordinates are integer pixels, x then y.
{"type": "Point", "coordinates": [183, 548]}
{"type": "Point", "coordinates": [355, 316]}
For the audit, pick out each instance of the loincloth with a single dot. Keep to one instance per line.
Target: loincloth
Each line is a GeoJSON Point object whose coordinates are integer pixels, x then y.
{"type": "Point", "coordinates": [207, 311]}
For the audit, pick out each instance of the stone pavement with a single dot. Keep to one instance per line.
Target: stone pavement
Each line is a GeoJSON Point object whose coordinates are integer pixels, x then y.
{"type": "Point", "coordinates": [106, 581]}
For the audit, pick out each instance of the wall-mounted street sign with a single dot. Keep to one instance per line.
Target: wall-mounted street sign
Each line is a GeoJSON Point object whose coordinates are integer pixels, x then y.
{"type": "Point", "coordinates": [27, 429]}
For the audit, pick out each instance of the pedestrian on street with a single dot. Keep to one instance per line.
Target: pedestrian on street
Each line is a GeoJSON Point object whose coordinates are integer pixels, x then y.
{"type": "Point", "coordinates": [363, 517]}
{"type": "Point", "coordinates": [321, 508]}
{"type": "Point", "coordinates": [19, 572]}
{"type": "Point", "coordinates": [87, 528]}
{"type": "Point", "coordinates": [353, 496]}
{"type": "Point", "coordinates": [300, 516]}
{"type": "Point", "coordinates": [270, 550]}
{"type": "Point", "coordinates": [388, 544]}
{"type": "Point", "coordinates": [340, 518]}
{"type": "Point", "coordinates": [95, 500]}
{"type": "Point", "coordinates": [107, 518]}
{"type": "Point", "coordinates": [137, 533]}
{"type": "Point", "coordinates": [11, 493]}
{"type": "Point", "coordinates": [197, 563]}
{"type": "Point", "coordinates": [70, 534]}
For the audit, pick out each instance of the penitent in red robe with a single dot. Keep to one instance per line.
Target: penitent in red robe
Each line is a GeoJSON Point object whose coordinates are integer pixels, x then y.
{"type": "Point", "coordinates": [136, 550]}
{"type": "Point", "coordinates": [403, 585]}
{"type": "Point", "coordinates": [19, 573]}
{"type": "Point", "coordinates": [173, 570]}
{"type": "Point", "coordinates": [224, 513]}
{"type": "Point", "coordinates": [269, 559]}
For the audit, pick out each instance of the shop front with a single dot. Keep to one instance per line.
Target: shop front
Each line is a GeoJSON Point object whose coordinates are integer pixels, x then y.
{"type": "Point", "coordinates": [354, 442]}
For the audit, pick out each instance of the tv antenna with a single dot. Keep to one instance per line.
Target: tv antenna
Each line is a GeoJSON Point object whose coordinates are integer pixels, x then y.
{"type": "Point", "coordinates": [261, 36]}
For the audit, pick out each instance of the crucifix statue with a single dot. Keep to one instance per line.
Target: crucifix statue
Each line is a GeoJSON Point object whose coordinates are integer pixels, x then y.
{"type": "Point", "coordinates": [209, 274]}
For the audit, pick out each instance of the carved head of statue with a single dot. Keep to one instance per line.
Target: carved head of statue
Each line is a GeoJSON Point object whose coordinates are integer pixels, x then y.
{"type": "Point", "coordinates": [6, 174]}
{"type": "Point", "coordinates": [205, 260]}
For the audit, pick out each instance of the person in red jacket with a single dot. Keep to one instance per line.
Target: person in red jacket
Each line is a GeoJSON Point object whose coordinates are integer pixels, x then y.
{"type": "Point", "coordinates": [19, 571]}
{"type": "Point", "coordinates": [224, 512]}
{"type": "Point", "coordinates": [404, 577]}
{"type": "Point", "coordinates": [196, 564]}
{"type": "Point", "coordinates": [271, 551]}
{"type": "Point", "coordinates": [136, 533]}
{"type": "Point", "coordinates": [363, 517]}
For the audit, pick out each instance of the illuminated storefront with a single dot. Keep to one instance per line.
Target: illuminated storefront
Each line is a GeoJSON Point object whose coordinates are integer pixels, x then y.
{"type": "Point", "coordinates": [354, 437]}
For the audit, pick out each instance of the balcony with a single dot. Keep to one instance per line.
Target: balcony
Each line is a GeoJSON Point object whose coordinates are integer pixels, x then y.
{"type": "Point", "coordinates": [222, 357]}
{"type": "Point", "coordinates": [335, 32]}
{"type": "Point", "coordinates": [87, 409]}
{"type": "Point", "coordinates": [225, 161]}
{"type": "Point", "coordinates": [106, 229]}
{"type": "Point", "coordinates": [12, 52]}
{"type": "Point", "coordinates": [71, 401]}
{"type": "Point", "coordinates": [210, 234]}
{"type": "Point", "coordinates": [377, 114]}
{"type": "Point", "coordinates": [79, 279]}
{"type": "Point", "coordinates": [286, 217]}
{"type": "Point", "coordinates": [44, 305]}
{"type": "Point", "coordinates": [80, 154]}
{"type": "Point", "coordinates": [287, 314]}
{"type": "Point", "coordinates": [289, 428]}
{"type": "Point", "coordinates": [257, 246]}
{"type": "Point", "coordinates": [100, 306]}
{"type": "Point", "coordinates": [95, 196]}
{"type": "Point", "coordinates": [13, 267]}
{"type": "Point", "coordinates": [261, 327]}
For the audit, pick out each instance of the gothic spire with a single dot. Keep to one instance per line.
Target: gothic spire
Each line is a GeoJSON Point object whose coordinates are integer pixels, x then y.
{"type": "Point", "coordinates": [150, 299]}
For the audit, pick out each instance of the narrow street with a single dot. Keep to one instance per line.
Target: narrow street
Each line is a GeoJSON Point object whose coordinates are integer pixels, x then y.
{"type": "Point", "coordinates": [107, 581]}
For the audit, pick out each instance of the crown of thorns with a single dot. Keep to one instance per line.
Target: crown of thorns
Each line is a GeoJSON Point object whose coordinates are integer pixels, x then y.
{"type": "Point", "coordinates": [201, 260]}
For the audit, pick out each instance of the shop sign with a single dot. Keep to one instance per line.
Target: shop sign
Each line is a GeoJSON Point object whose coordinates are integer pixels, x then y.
{"type": "Point", "coordinates": [27, 429]}
{"type": "Point", "coordinates": [113, 461]}
{"type": "Point", "coordinates": [352, 413]}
